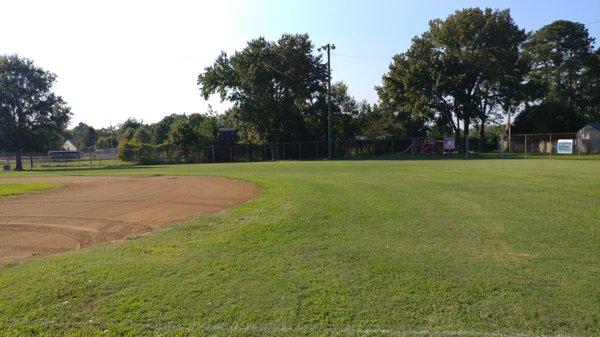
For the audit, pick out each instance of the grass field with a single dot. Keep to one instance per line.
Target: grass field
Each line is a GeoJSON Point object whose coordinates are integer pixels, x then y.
{"type": "Point", "coordinates": [8, 189]}
{"type": "Point", "coordinates": [378, 248]}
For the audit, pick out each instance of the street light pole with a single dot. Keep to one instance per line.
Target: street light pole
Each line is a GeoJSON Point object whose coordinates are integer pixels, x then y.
{"type": "Point", "coordinates": [328, 47]}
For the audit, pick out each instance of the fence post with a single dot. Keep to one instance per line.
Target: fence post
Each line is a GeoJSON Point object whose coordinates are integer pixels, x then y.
{"type": "Point", "coordinates": [551, 145]}
{"type": "Point", "coordinates": [412, 148]}
{"type": "Point", "coordinates": [355, 150]}
{"type": "Point", "coordinates": [393, 153]}
{"type": "Point", "coordinates": [283, 150]}
{"type": "Point", "coordinates": [317, 143]}
{"type": "Point", "coordinates": [526, 146]}
{"type": "Point", "coordinates": [213, 153]}
{"type": "Point", "coordinates": [300, 150]}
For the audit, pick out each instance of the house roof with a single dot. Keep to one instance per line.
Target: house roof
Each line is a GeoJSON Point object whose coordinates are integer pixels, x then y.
{"type": "Point", "coordinates": [595, 125]}
{"type": "Point", "coordinates": [68, 146]}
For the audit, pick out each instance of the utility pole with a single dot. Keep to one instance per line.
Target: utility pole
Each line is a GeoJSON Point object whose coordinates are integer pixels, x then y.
{"type": "Point", "coordinates": [328, 47]}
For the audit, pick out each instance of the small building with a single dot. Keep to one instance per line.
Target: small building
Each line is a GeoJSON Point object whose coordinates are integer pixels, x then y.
{"type": "Point", "coordinates": [61, 154]}
{"type": "Point", "coordinates": [589, 138]}
{"type": "Point", "coordinates": [68, 151]}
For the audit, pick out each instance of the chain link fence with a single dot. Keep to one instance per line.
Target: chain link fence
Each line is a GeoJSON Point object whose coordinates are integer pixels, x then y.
{"type": "Point", "coordinates": [45, 161]}
{"type": "Point", "coordinates": [546, 144]}
{"type": "Point", "coordinates": [517, 146]}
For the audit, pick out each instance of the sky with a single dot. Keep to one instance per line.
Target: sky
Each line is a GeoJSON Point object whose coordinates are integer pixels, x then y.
{"type": "Point", "coordinates": [141, 59]}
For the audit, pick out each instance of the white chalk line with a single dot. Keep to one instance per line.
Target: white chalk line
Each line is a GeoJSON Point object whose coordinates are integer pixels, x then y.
{"type": "Point", "coordinates": [281, 329]}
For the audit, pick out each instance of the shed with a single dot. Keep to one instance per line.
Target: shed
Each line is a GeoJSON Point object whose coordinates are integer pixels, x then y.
{"type": "Point", "coordinates": [589, 136]}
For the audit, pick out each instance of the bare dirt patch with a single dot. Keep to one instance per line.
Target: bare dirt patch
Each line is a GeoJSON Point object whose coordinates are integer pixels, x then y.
{"type": "Point", "coordinates": [90, 210]}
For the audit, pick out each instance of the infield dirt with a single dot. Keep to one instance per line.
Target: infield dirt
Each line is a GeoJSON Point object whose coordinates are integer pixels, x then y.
{"type": "Point", "coordinates": [91, 210]}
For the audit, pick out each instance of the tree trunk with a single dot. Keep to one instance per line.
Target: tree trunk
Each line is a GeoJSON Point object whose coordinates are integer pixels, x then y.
{"type": "Point", "coordinates": [19, 163]}
{"type": "Point", "coordinates": [481, 136]}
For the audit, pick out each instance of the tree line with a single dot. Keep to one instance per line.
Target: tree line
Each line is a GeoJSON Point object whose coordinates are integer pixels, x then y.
{"type": "Point", "coordinates": [464, 75]}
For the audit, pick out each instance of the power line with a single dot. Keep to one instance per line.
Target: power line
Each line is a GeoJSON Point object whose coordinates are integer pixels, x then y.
{"type": "Point", "coordinates": [591, 23]}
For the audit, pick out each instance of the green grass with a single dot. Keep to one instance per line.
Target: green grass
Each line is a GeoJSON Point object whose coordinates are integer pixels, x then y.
{"type": "Point", "coordinates": [338, 248]}
{"type": "Point", "coordinates": [8, 189]}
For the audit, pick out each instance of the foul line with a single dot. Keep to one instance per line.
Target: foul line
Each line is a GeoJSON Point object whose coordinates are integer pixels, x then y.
{"type": "Point", "coordinates": [281, 329]}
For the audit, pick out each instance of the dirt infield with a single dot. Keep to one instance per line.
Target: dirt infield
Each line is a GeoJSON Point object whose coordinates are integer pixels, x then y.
{"type": "Point", "coordinates": [90, 210]}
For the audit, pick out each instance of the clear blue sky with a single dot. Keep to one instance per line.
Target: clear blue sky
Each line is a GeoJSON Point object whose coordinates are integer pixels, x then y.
{"type": "Point", "coordinates": [119, 59]}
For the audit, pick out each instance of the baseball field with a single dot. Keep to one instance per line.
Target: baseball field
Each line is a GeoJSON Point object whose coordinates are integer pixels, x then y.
{"type": "Point", "coordinates": [358, 248]}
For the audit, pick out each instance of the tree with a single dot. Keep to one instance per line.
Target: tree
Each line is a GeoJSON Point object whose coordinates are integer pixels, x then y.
{"type": "Point", "coordinates": [142, 135]}
{"type": "Point", "coordinates": [162, 128]}
{"type": "Point", "coordinates": [480, 53]}
{"type": "Point", "coordinates": [457, 72]}
{"type": "Point", "coordinates": [128, 128]}
{"type": "Point", "coordinates": [559, 53]}
{"type": "Point", "coordinates": [275, 86]}
{"type": "Point", "coordinates": [89, 138]}
{"type": "Point", "coordinates": [549, 116]}
{"type": "Point", "coordinates": [413, 91]}
{"type": "Point", "coordinates": [182, 135]}
{"type": "Point", "coordinates": [31, 115]}
{"type": "Point", "coordinates": [590, 82]}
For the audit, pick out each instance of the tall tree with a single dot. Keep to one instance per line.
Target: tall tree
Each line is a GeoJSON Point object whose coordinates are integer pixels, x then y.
{"type": "Point", "coordinates": [590, 81]}
{"type": "Point", "coordinates": [456, 73]}
{"type": "Point", "coordinates": [31, 115]}
{"type": "Point", "coordinates": [413, 89]}
{"type": "Point", "coordinates": [559, 53]}
{"type": "Point", "coordinates": [275, 86]}
{"type": "Point", "coordinates": [480, 51]}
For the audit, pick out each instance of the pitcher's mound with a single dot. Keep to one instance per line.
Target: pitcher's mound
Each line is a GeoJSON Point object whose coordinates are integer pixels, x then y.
{"type": "Point", "coordinates": [100, 209]}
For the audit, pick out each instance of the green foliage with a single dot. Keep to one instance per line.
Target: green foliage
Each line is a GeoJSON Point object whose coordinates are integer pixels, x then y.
{"type": "Point", "coordinates": [162, 128]}
{"type": "Point", "coordinates": [549, 116]}
{"type": "Point", "coordinates": [559, 53]}
{"type": "Point", "coordinates": [142, 135]}
{"type": "Point", "coordinates": [590, 83]}
{"type": "Point", "coordinates": [447, 74]}
{"type": "Point", "coordinates": [32, 117]}
{"type": "Point", "coordinates": [275, 86]}
{"type": "Point", "coordinates": [498, 247]}
{"type": "Point", "coordinates": [127, 150]}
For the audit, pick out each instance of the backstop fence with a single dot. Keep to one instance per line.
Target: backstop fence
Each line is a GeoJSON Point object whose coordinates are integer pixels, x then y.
{"type": "Point", "coordinates": [518, 146]}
